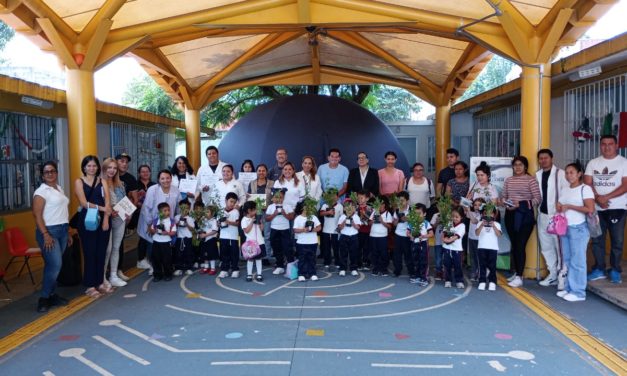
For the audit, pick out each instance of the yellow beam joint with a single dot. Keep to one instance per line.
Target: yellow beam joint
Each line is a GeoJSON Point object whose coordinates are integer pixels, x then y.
{"type": "Point", "coordinates": [8, 6]}
{"type": "Point", "coordinates": [304, 11]}
{"type": "Point", "coordinates": [519, 39]}
{"type": "Point", "coordinates": [315, 64]}
{"type": "Point", "coordinates": [95, 44]}
{"type": "Point", "coordinates": [105, 12]}
{"type": "Point", "coordinates": [113, 50]}
{"type": "Point", "coordinates": [41, 10]}
{"type": "Point", "coordinates": [59, 42]}
{"type": "Point", "coordinates": [150, 58]}
{"type": "Point", "coordinates": [554, 35]}
{"type": "Point", "coordinates": [501, 45]}
{"type": "Point", "coordinates": [192, 136]}
{"type": "Point", "coordinates": [546, 23]}
{"type": "Point", "coordinates": [442, 134]}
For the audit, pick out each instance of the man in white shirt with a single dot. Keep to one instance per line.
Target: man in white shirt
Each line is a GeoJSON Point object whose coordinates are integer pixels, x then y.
{"type": "Point", "coordinates": [607, 175]}
{"type": "Point", "coordinates": [209, 175]}
{"type": "Point", "coordinates": [551, 180]}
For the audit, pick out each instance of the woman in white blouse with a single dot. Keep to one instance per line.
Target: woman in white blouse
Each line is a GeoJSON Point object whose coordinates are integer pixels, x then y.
{"type": "Point", "coordinates": [308, 176]}
{"type": "Point", "coordinates": [420, 188]}
{"type": "Point", "coordinates": [230, 184]}
{"type": "Point", "coordinates": [181, 169]}
{"type": "Point", "coordinates": [295, 188]}
{"type": "Point", "coordinates": [50, 209]}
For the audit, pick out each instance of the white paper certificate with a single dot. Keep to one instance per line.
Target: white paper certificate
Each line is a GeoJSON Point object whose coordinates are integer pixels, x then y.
{"type": "Point", "coordinates": [246, 177]}
{"type": "Point", "coordinates": [188, 185]}
{"type": "Point", "coordinates": [125, 208]}
{"type": "Point", "coordinates": [208, 181]}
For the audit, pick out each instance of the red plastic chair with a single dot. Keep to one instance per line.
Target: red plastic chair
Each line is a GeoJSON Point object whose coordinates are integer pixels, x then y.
{"type": "Point", "coordinates": [18, 247]}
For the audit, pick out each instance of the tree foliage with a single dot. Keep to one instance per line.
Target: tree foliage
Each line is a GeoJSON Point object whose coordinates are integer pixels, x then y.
{"type": "Point", "coordinates": [390, 103]}
{"type": "Point", "coordinates": [494, 74]}
{"type": "Point", "coordinates": [144, 94]}
{"type": "Point", "coordinates": [6, 34]}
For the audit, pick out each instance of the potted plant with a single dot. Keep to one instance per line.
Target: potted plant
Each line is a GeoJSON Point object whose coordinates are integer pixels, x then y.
{"type": "Point", "coordinates": [349, 210]}
{"type": "Point", "coordinates": [376, 206]}
{"type": "Point", "coordinates": [414, 223]}
{"type": "Point", "coordinates": [489, 209]}
{"type": "Point", "coordinates": [261, 207]}
{"type": "Point", "coordinates": [330, 198]}
{"type": "Point", "coordinates": [310, 208]}
{"type": "Point", "coordinates": [445, 207]}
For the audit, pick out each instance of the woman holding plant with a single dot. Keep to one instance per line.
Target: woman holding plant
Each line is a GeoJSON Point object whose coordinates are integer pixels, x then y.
{"type": "Point", "coordinates": [308, 176]}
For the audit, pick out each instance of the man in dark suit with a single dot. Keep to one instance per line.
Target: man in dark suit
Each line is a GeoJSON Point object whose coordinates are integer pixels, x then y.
{"type": "Point", "coordinates": [363, 177]}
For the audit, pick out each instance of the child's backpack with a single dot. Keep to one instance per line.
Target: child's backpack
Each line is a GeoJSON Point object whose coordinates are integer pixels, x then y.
{"type": "Point", "coordinates": [558, 225]}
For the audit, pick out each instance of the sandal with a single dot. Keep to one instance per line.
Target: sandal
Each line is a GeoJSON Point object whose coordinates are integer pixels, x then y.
{"type": "Point", "coordinates": [103, 289]}
{"type": "Point", "coordinates": [93, 293]}
{"type": "Point", "coordinates": [259, 277]}
{"type": "Point", "coordinates": [249, 278]}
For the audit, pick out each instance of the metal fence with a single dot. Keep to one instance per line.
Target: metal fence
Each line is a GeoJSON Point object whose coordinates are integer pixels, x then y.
{"type": "Point", "coordinates": [25, 142]}
{"type": "Point", "coordinates": [145, 145]}
{"type": "Point", "coordinates": [586, 109]}
{"type": "Point", "coordinates": [497, 132]}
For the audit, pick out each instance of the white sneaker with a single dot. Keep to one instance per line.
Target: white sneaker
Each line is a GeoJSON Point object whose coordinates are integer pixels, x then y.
{"type": "Point", "coordinates": [223, 274]}
{"type": "Point", "coordinates": [355, 273]}
{"type": "Point", "coordinates": [516, 282]}
{"type": "Point", "coordinates": [116, 282]}
{"type": "Point", "coordinates": [235, 274]}
{"type": "Point", "coordinates": [562, 293]}
{"type": "Point", "coordinates": [550, 280]}
{"type": "Point", "coordinates": [150, 271]}
{"type": "Point", "coordinates": [459, 285]}
{"type": "Point", "coordinates": [122, 276]}
{"type": "Point", "coordinates": [189, 272]}
{"type": "Point", "coordinates": [178, 273]}
{"type": "Point", "coordinates": [481, 286]}
{"type": "Point", "coordinates": [195, 265]}
{"type": "Point", "coordinates": [314, 278]}
{"type": "Point", "coordinates": [511, 277]}
{"type": "Point", "coordinates": [561, 279]}
{"type": "Point", "coordinates": [301, 278]}
{"type": "Point", "coordinates": [492, 286]}
{"type": "Point", "coordinates": [573, 298]}
{"type": "Point", "coordinates": [204, 265]}
{"type": "Point", "coordinates": [278, 271]}
{"type": "Point", "coordinates": [143, 264]}
{"type": "Point", "coordinates": [447, 284]}
{"type": "Point", "coordinates": [342, 273]}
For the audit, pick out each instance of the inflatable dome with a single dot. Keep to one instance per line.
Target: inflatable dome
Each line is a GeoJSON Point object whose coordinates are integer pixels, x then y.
{"type": "Point", "coordinates": [310, 125]}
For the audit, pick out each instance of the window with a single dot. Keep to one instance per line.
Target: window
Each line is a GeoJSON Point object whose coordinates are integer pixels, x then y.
{"type": "Point", "coordinates": [25, 143]}
{"type": "Point", "coordinates": [145, 145]}
{"type": "Point", "coordinates": [431, 150]}
{"type": "Point", "coordinates": [498, 132]}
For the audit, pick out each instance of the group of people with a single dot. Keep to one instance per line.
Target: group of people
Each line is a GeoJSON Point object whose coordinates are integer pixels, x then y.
{"type": "Point", "coordinates": [363, 215]}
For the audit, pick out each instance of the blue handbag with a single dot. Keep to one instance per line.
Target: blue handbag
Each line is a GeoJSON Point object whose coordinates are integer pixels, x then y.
{"type": "Point", "coordinates": [92, 219]}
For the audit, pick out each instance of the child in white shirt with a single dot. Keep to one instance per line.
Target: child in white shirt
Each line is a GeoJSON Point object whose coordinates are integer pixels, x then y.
{"type": "Point", "coordinates": [305, 226]}
{"type": "Point", "coordinates": [488, 231]}
{"type": "Point", "coordinates": [208, 235]}
{"type": "Point", "coordinates": [229, 236]}
{"type": "Point", "coordinates": [420, 248]}
{"type": "Point", "coordinates": [279, 214]}
{"type": "Point", "coordinates": [349, 223]}
{"type": "Point", "coordinates": [402, 244]}
{"type": "Point", "coordinates": [252, 226]}
{"type": "Point", "coordinates": [474, 215]}
{"type": "Point", "coordinates": [162, 230]}
{"type": "Point", "coordinates": [452, 244]}
{"type": "Point", "coordinates": [380, 222]}
{"type": "Point", "coordinates": [183, 255]}
{"type": "Point", "coordinates": [328, 238]}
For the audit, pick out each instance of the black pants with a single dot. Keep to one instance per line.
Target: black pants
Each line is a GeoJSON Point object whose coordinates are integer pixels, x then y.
{"type": "Point", "coordinates": [487, 261]}
{"type": "Point", "coordinates": [363, 249]}
{"type": "Point", "coordinates": [94, 244]}
{"type": "Point", "coordinates": [329, 248]}
{"type": "Point", "coordinates": [402, 250]}
{"type": "Point", "coordinates": [379, 254]}
{"type": "Point", "coordinates": [420, 253]}
{"type": "Point", "coordinates": [452, 261]}
{"type": "Point", "coordinates": [306, 259]}
{"type": "Point", "coordinates": [281, 242]}
{"type": "Point", "coordinates": [348, 249]}
{"type": "Point", "coordinates": [183, 257]}
{"type": "Point", "coordinates": [162, 259]}
{"type": "Point", "coordinates": [142, 248]}
{"type": "Point", "coordinates": [229, 255]}
{"type": "Point", "coordinates": [519, 240]}
{"type": "Point", "coordinates": [208, 250]}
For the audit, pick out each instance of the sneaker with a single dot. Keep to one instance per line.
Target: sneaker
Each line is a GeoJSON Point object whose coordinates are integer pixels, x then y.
{"type": "Point", "coordinates": [223, 274]}
{"type": "Point", "coordinates": [235, 274]}
{"type": "Point", "coordinates": [615, 277]}
{"type": "Point", "coordinates": [301, 278]}
{"type": "Point", "coordinates": [56, 300]}
{"type": "Point", "coordinates": [474, 278]}
{"type": "Point", "coordinates": [342, 273]}
{"type": "Point", "coordinates": [562, 293]}
{"type": "Point", "coordinates": [561, 279]}
{"type": "Point", "coordinates": [43, 305]}
{"type": "Point", "coordinates": [596, 274]}
{"type": "Point", "coordinates": [117, 282]}
{"type": "Point", "coordinates": [314, 278]}
{"type": "Point", "coordinates": [573, 298]}
{"type": "Point", "coordinates": [481, 286]}
{"type": "Point", "coordinates": [167, 278]}
{"type": "Point", "coordinates": [326, 267]}
{"type": "Point", "coordinates": [438, 276]}
{"type": "Point", "coordinates": [143, 264]}
{"type": "Point", "coordinates": [459, 285]}
{"type": "Point", "coordinates": [414, 280]}
{"type": "Point", "coordinates": [151, 271]}
{"type": "Point", "coordinates": [259, 278]}
{"type": "Point", "coordinates": [354, 273]}
{"type": "Point", "coordinates": [447, 284]}
{"type": "Point", "coordinates": [122, 276]}
{"type": "Point", "coordinates": [511, 277]}
{"type": "Point", "coordinates": [249, 278]}
{"type": "Point", "coordinates": [365, 268]}
{"type": "Point", "coordinates": [550, 280]}
{"type": "Point", "coordinates": [278, 271]}
{"type": "Point", "coordinates": [212, 272]}
{"type": "Point", "coordinates": [492, 286]}
{"type": "Point", "coordinates": [178, 273]}
{"type": "Point", "coordinates": [516, 282]}
{"type": "Point", "coordinates": [384, 274]}
{"type": "Point", "coordinates": [423, 282]}
{"type": "Point", "coordinates": [375, 274]}
{"type": "Point", "coordinates": [195, 265]}
{"type": "Point", "coordinates": [190, 272]}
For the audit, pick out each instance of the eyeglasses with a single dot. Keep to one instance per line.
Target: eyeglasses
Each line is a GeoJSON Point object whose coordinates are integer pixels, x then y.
{"type": "Point", "coordinates": [418, 169]}
{"type": "Point", "coordinates": [49, 172]}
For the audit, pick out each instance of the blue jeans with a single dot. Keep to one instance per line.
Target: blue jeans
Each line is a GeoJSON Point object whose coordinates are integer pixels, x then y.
{"type": "Point", "coordinates": [574, 247]}
{"type": "Point", "coordinates": [614, 222]}
{"type": "Point", "coordinates": [53, 258]}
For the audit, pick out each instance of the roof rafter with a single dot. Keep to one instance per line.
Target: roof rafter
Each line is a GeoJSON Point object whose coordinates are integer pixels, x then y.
{"type": "Point", "coordinates": [41, 10]}
{"type": "Point", "coordinates": [106, 11]}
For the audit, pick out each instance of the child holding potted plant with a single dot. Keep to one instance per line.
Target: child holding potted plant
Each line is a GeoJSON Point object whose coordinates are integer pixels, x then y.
{"type": "Point", "coordinates": [229, 236]}
{"type": "Point", "coordinates": [402, 244]}
{"type": "Point", "coordinates": [208, 237]}
{"type": "Point", "coordinates": [252, 225]}
{"type": "Point", "coordinates": [381, 222]}
{"type": "Point", "coordinates": [488, 231]}
{"type": "Point", "coordinates": [474, 216]}
{"type": "Point", "coordinates": [279, 215]}
{"type": "Point", "coordinates": [306, 225]}
{"type": "Point", "coordinates": [162, 231]}
{"type": "Point", "coordinates": [349, 223]}
{"type": "Point", "coordinates": [364, 211]}
{"type": "Point", "coordinates": [419, 231]}
{"type": "Point", "coordinates": [331, 210]}
{"type": "Point", "coordinates": [183, 255]}
{"type": "Point", "coordinates": [452, 235]}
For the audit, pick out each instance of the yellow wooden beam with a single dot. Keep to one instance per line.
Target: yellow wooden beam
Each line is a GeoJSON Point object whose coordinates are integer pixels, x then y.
{"type": "Point", "coordinates": [304, 12]}
{"type": "Point", "coordinates": [8, 6]}
{"type": "Point", "coordinates": [547, 21]}
{"type": "Point", "coordinates": [553, 35]}
{"type": "Point", "coordinates": [58, 41]}
{"type": "Point", "coordinates": [42, 10]}
{"type": "Point", "coordinates": [519, 31]}
{"type": "Point", "coordinates": [95, 44]}
{"type": "Point", "coordinates": [113, 50]}
{"type": "Point", "coordinates": [502, 46]}
{"type": "Point", "coordinates": [151, 59]}
{"type": "Point", "coordinates": [106, 12]}
{"type": "Point", "coordinates": [315, 64]}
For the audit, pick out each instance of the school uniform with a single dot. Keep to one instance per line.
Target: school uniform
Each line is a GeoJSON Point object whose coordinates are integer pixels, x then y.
{"type": "Point", "coordinates": [162, 249]}
{"type": "Point", "coordinates": [402, 245]}
{"type": "Point", "coordinates": [363, 236]}
{"type": "Point", "coordinates": [209, 245]}
{"type": "Point", "coordinates": [452, 257]}
{"type": "Point", "coordinates": [379, 243]}
{"type": "Point", "coordinates": [183, 257]}
{"type": "Point", "coordinates": [256, 235]}
{"type": "Point", "coordinates": [280, 235]}
{"type": "Point", "coordinates": [420, 253]}
{"type": "Point", "coordinates": [229, 242]}
{"type": "Point", "coordinates": [473, 241]}
{"type": "Point", "coordinates": [349, 242]}
{"type": "Point", "coordinates": [329, 236]}
{"type": "Point", "coordinates": [306, 244]}
{"type": "Point", "coordinates": [488, 246]}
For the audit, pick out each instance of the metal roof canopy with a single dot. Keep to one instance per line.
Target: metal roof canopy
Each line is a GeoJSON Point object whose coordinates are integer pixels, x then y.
{"type": "Point", "coordinates": [199, 50]}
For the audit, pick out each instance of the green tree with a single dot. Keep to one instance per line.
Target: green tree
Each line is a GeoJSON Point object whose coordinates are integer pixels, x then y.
{"type": "Point", "coordinates": [494, 74]}
{"type": "Point", "coordinates": [390, 103]}
{"type": "Point", "coordinates": [144, 94]}
{"type": "Point", "coordinates": [6, 34]}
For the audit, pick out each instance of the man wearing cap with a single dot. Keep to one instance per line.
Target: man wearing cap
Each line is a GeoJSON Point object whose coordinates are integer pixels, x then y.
{"type": "Point", "coordinates": [208, 176]}
{"type": "Point", "coordinates": [130, 186]}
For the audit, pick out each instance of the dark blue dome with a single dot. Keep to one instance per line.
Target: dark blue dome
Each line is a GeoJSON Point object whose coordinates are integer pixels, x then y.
{"type": "Point", "coordinates": [310, 125]}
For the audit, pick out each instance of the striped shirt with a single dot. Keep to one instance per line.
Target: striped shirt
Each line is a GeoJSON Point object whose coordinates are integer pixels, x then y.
{"type": "Point", "coordinates": [522, 188]}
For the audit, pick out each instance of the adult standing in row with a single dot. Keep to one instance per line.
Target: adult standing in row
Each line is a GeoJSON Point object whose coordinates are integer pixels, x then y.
{"type": "Point", "coordinates": [391, 179]}
{"type": "Point", "coordinates": [117, 193]}
{"type": "Point", "coordinates": [182, 169]}
{"type": "Point", "coordinates": [420, 187]}
{"type": "Point", "coordinates": [448, 172]}
{"type": "Point", "coordinates": [294, 188]}
{"type": "Point", "coordinates": [93, 193]}
{"type": "Point", "coordinates": [308, 175]}
{"type": "Point", "coordinates": [607, 175]}
{"type": "Point", "coordinates": [209, 175]}
{"type": "Point", "coordinates": [333, 174]}
{"type": "Point", "coordinates": [131, 188]}
{"type": "Point", "coordinates": [230, 184]}
{"type": "Point", "coordinates": [281, 159]}
{"type": "Point", "coordinates": [483, 188]}
{"type": "Point", "coordinates": [521, 193]}
{"type": "Point", "coordinates": [145, 181]}
{"type": "Point", "coordinates": [551, 180]}
{"type": "Point", "coordinates": [50, 209]}
{"type": "Point", "coordinates": [458, 186]}
{"type": "Point", "coordinates": [363, 177]}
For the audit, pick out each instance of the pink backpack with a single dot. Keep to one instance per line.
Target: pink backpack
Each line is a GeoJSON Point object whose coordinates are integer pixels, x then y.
{"type": "Point", "coordinates": [557, 225]}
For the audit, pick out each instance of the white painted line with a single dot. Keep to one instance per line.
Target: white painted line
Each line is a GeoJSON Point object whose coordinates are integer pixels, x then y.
{"type": "Point", "coordinates": [48, 373]}
{"type": "Point", "coordinates": [362, 276]}
{"type": "Point", "coordinates": [77, 353]}
{"type": "Point", "coordinates": [394, 365]}
{"type": "Point", "coordinates": [353, 294]}
{"type": "Point", "coordinates": [497, 365]}
{"type": "Point", "coordinates": [145, 286]}
{"type": "Point", "coordinates": [279, 288]}
{"type": "Point", "coordinates": [117, 348]}
{"type": "Point", "coordinates": [253, 362]}
{"type": "Point", "coordinates": [219, 283]}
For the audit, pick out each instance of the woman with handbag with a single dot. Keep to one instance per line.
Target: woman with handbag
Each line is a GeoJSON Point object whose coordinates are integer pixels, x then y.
{"type": "Point", "coordinates": [576, 201]}
{"type": "Point", "coordinates": [93, 225]}
{"type": "Point", "coordinates": [50, 209]}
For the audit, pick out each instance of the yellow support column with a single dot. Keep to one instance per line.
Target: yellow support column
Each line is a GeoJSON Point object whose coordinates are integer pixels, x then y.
{"type": "Point", "coordinates": [192, 136]}
{"type": "Point", "coordinates": [81, 113]}
{"type": "Point", "coordinates": [442, 134]}
{"type": "Point", "coordinates": [545, 92]}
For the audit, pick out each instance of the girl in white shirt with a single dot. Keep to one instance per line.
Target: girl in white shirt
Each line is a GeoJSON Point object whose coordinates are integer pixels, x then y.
{"type": "Point", "coordinates": [253, 232]}
{"type": "Point", "coordinates": [182, 169]}
{"type": "Point", "coordinates": [487, 231]}
{"type": "Point", "coordinates": [348, 224]}
{"type": "Point", "coordinates": [452, 244]}
{"type": "Point", "coordinates": [575, 201]}
{"type": "Point", "coordinates": [306, 225]}
{"type": "Point", "coordinates": [381, 222]}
